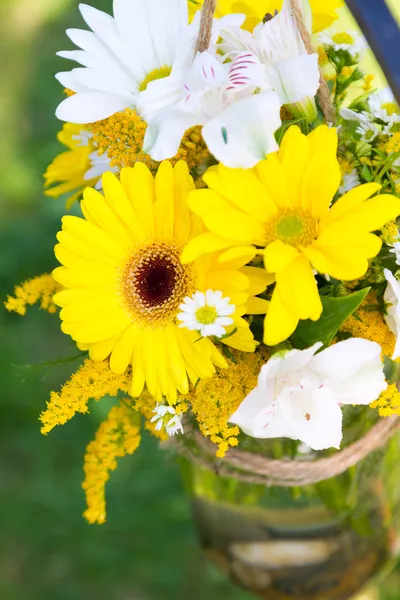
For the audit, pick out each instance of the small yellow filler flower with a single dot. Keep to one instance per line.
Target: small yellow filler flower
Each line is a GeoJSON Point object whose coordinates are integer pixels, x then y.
{"type": "Point", "coordinates": [124, 281]}
{"type": "Point", "coordinates": [284, 206]}
{"type": "Point", "coordinates": [324, 11]}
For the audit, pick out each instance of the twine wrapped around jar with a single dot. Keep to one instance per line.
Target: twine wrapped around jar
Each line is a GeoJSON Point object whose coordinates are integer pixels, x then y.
{"type": "Point", "coordinates": [258, 469]}
{"type": "Point", "coordinates": [204, 38]}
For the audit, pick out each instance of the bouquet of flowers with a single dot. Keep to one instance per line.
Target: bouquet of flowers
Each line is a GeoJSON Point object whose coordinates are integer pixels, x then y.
{"type": "Point", "coordinates": [229, 271]}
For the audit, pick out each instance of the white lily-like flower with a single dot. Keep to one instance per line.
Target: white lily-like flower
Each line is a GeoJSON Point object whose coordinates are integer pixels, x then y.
{"type": "Point", "coordinates": [383, 106]}
{"type": "Point", "coordinates": [207, 313]}
{"type": "Point", "coordinates": [166, 416]}
{"type": "Point", "coordinates": [299, 392]}
{"type": "Point", "coordinates": [395, 249]}
{"type": "Point", "coordinates": [238, 124]}
{"type": "Point", "coordinates": [352, 42]}
{"type": "Point", "coordinates": [392, 300]}
{"type": "Point", "coordinates": [288, 69]}
{"type": "Point", "coordinates": [145, 40]}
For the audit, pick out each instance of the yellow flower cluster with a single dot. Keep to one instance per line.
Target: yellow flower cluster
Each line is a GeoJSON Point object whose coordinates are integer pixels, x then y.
{"type": "Point", "coordinates": [121, 137]}
{"type": "Point", "coordinates": [40, 289]}
{"type": "Point", "coordinates": [388, 402]}
{"type": "Point", "coordinates": [117, 436]}
{"type": "Point", "coordinates": [214, 400]}
{"type": "Point", "coordinates": [346, 166]}
{"type": "Point", "coordinates": [91, 381]}
{"type": "Point", "coordinates": [370, 325]}
{"type": "Point", "coordinates": [393, 145]}
{"type": "Point", "coordinates": [390, 233]}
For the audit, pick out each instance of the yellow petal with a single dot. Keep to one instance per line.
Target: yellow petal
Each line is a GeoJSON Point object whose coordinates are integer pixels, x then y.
{"type": "Point", "coordinates": [373, 214]}
{"type": "Point", "coordinates": [95, 278]}
{"type": "Point", "coordinates": [351, 201]}
{"type": "Point", "coordinates": [139, 185]}
{"type": "Point", "coordinates": [165, 200]}
{"type": "Point", "coordinates": [122, 354]}
{"type": "Point", "coordinates": [243, 189]}
{"type": "Point", "coordinates": [97, 211]}
{"type": "Point", "coordinates": [344, 264]}
{"type": "Point", "coordinates": [322, 177]}
{"type": "Point", "coordinates": [298, 289]}
{"type": "Point", "coordinates": [280, 322]}
{"type": "Point", "coordinates": [237, 257]}
{"type": "Point", "coordinates": [138, 380]}
{"type": "Point", "coordinates": [90, 309]}
{"type": "Point", "coordinates": [87, 233]}
{"type": "Point", "coordinates": [203, 244]}
{"type": "Point", "coordinates": [294, 154]}
{"type": "Point", "coordinates": [118, 200]}
{"type": "Point", "coordinates": [258, 278]}
{"type": "Point", "coordinates": [183, 185]}
{"type": "Point", "coordinates": [223, 219]}
{"type": "Point", "coordinates": [278, 256]}
{"type": "Point", "coordinates": [101, 350]}
{"type": "Point", "coordinates": [177, 365]}
{"type": "Point", "coordinates": [257, 306]}
{"type": "Point", "coordinates": [273, 178]}
{"type": "Point", "coordinates": [80, 247]}
{"type": "Point", "coordinates": [96, 330]}
{"type": "Point", "coordinates": [226, 280]}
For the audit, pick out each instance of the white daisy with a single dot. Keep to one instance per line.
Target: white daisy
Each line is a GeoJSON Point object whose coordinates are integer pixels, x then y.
{"type": "Point", "coordinates": [349, 181]}
{"type": "Point", "coordinates": [166, 416]}
{"type": "Point", "coordinates": [384, 107]}
{"type": "Point", "coordinates": [392, 300]}
{"type": "Point", "coordinates": [144, 41]}
{"type": "Point", "coordinates": [352, 42]}
{"type": "Point", "coordinates": [100, 163]}
{"type": "Point", "coordinates": [288, 69]}
{"type": "Point", "coordinates": [238, 125]}
{"type": "Point", "coordinates": [207, 313]}
{"type": "Point", "coordinates": [368, 130]}
{"type": "Point", "coordinates": [299, 393]}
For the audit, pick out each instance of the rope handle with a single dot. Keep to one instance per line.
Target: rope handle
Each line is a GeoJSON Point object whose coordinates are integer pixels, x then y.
{"type": "Point", "coordinates": [204, 39]}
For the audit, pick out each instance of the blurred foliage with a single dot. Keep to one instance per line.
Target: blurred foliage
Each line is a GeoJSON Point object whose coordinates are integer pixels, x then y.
{"type": "Point", "coordinates": [148, 549]}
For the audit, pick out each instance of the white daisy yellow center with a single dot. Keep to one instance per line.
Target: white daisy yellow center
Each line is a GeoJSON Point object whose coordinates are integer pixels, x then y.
{"type": "Point", "coordinates": [154, 283]}
{"type": "Point", "coordinates": [159, 73]}
{"type": "Point", "coordinates": [391, 108]}
{"type": "Point", "coordinates": [343, 38]}
{"type": "Point", "coordinates": [292, 227]}
{"type": "Point", "coordinates": [206, 315]}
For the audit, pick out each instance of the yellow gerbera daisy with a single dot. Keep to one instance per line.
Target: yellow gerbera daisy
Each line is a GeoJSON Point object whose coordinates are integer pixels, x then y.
{"type": "Point", "coordinates": [284, 206]}
{"type": "Point", "coordinates": [125, 281]}
{"type": "Point", "coordinates": [68, 169]}
{"type": "Point", "coordinates": [324, 11]}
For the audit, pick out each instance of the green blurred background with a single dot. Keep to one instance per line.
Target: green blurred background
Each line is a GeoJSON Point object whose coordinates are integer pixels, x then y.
{"type": "Point", "coordinates": [148, 549]}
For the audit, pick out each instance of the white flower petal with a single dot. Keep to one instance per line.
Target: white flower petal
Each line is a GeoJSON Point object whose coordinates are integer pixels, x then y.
{"type": "Point", "coordinates": [392, 318]}
{"type": "Point", "coordinates": [164, 133]}
{"type": "Point", "coordinates": [294, 360]}
{"type": "Point", "coordinates": [295, 78]}
{"type": "Point", "coordinates": [159, 95]}
{"type": "Point", "coordinates": [243, 134]}
{"type": "Point", "coordinates": [89, 107]}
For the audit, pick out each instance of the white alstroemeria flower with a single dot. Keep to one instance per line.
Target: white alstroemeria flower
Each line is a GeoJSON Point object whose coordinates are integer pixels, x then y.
{"type": "Point", "coordinates": [395, 249]}
{"type": "Point", "coordinates": [238, 124]}
{"type": "Point", "coordinates": [352, 42]}
{"type": "Point", "coordinates": [207, 313]}
{"type": "Point", "coordinates": [392, 300]}
{"type": "Point", "coordinates": [351, 115]}
{"type": "Point", "coordinates": [145, 40]}
{"type": "Point", "coordinates": [384, 107]}
{"type": "Point", "coordinates": [288, 69]}
{"type": "Point", "coordinates": [349, 181]}
{"type": "Point", "coordinates": [166, 416]}
{"type": "Point", "coordinates": [299, 393]}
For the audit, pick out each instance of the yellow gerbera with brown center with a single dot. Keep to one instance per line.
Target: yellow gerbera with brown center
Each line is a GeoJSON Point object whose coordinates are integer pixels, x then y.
{"type": "Point", "coordinates": [283, 205]}
{"type": "Point", "coordinates": [125, 281]}
{"type": "Point", "coordinates": [324, 11]}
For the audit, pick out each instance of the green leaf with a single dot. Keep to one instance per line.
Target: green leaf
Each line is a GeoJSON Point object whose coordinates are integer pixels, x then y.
{"type": "Point", "coordinates": [335, 312]}
{"type": "Point", "coordinates": [391, 370]}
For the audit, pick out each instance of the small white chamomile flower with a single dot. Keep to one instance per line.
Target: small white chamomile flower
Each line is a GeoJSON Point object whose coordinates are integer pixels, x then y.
{"type": "Point", "coordinates": [349, 181]}
{"type": "Point", "coordinates": [207, 313]}
{"type": "Point", "coordinates": [351, 42]}
{"type": "Point", "coordinates": [368, 130]}
{"type": "Point", "coordinates": [384, 107]}
{"type": "Point", "coordinates": [166, 416]}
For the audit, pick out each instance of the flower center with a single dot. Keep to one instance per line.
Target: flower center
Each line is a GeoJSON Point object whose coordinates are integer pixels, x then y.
{"type": "Point", "coordinates": [159, 73]}
{"type": "Point", "coordinates": [292, 227]}
{"type": "Point", "coordinates": [154, 283]}
{"type": "Point", "coordinates": [206, 315]}
{"type": "Point", "coordinates": [391, 108]}
{"type": "Point", "coordinates": [343, 38]}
